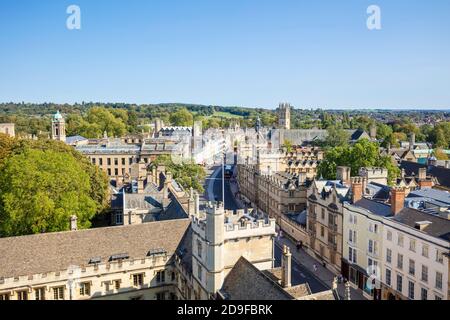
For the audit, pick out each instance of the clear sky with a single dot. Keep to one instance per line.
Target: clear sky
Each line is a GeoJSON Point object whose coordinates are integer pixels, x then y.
{"type": "Point", "coordinates": [253, 53]}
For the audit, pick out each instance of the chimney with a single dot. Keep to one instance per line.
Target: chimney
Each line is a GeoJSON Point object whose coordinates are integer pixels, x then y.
{"type": "Point", "coordinates": [412, 141]}
{"type": "Point", "coordinates": [343, 174]}
{"type": "Point", "coordinates": [286, 268]}
{"type": "Point", "coordinates": [397, 200]}
{"type": "Point", "coordinates": [422, 174]}
{"type": "Point", "coordinates": [357, 189]}
{"type": "Point", "coordinates": [403, 174]}
{"type": "Point", "coordinates": [73, 223]}
{"type": "Point", "coordinates": [373, 132]}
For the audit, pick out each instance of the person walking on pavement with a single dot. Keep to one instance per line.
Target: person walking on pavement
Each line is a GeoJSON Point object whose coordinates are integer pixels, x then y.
{"type": "Point", "coordinates": [315, 267]}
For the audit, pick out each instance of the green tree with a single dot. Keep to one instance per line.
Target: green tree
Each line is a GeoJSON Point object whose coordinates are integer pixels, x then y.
{"type": "Point", "coordinates": [182, 118]}
{"type": "Point", "coordinates": [42, 185]}
{"type": "Point", "coordinates": [336, 137]}
{"type": "Point", "coordinates": [189, 175]}
{"type": "Point", "coordinates": [362, 154]}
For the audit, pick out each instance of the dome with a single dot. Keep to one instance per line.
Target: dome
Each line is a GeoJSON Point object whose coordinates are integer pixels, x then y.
{"type": "Point", "coordinates": [57, 116]}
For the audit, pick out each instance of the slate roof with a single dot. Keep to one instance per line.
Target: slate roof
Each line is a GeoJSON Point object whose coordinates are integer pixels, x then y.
{"type": "Point", "coordinates": [375, 207]}
{"type": "Point", "coordinates": [439, 227]}
{"type": "Point", "coordinates": [50, 252]}
{"type": "Point", "coordinates": [246, 282]}
{"type": "Point", "coordinates": [440, 173]}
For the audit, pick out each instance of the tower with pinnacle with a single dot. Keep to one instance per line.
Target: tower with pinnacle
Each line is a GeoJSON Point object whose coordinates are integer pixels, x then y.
{"type": "Point", "coordinates": [284, 116]}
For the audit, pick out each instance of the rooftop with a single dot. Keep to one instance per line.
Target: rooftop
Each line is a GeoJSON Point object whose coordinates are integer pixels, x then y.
{"type": "Point", "coordinates": [50, 252]}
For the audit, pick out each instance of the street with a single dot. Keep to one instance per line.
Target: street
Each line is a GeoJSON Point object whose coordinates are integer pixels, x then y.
{"type": "Point", "coordinates": [300, 273]}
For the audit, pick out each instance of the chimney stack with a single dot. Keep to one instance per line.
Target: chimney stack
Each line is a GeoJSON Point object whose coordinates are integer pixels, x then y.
{"type": "Point", "coordinates": [397, 200]}
{"type": "Point", "coordinates": [73, 223]}
{"type": "Point", "coordinates": [343, 174]}
{"type": "Point", "coordinates": [422, 173]}
{"type": "Point", "coordinates": [357, 189]}
{"type": "Point", "coordinates": [412, 141]}
{"type": "Point", "coordinates": [286, 268]}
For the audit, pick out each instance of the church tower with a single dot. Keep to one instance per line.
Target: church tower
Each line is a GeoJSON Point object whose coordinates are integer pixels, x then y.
{"type": "Point", "coordinates": [58, 127]}
{"type": "Point", "coordinates": [284, 116]}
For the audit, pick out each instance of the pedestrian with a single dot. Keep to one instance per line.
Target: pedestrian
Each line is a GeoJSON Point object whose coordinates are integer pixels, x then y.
{"type": "Point", "coordinates": [298, 246]}
{"type": "Point", "coordinates": [315, 267]}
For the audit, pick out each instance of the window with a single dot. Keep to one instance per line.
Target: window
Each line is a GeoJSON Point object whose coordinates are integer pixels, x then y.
{"type": "Point", "coordinates": [323, 214]}
{"type": "Point", "coordinates": [330, 219]}
{"type": "Point", "coordinates": [161, 296]}
{"type": "Point", "coordinates": [424, 274]}
{"type": "Point", "coordinates": [369, 262]}
{"type": "Point", "coordinates": [39, 294]}
{"type": "Point", "coordinates": [85, 289]}
{"type": "Point", "coordinates": [322, 231]}
{"type": "Point", "coordinates": [100, 161]}
{"type": "Point", "coordinates": [400, 261]}
{"type": "Point", "coordinates": [412, 245]}
{"type": "Point", "coordinates": [108, 161]}
{"type": "Point", "coordinates": [399, 283]}
{"type": "Point", "coordinates": [138, 279]}
{"type": "Point", "coordinates": [4, 296]}
{"type": "Point", "coordinates": [423, 294]}
{"type": "Point", "coordinates": [116, 172]}
{"type": "Point", "coordinates": [173, 276]}
{"type": "Point", "coordinates": [93, 160]}
{"type": "Point", "coordinates": [389, 235]}
{"type": "Point", "coordinates": [388, 255]}
{"type": "Point", "coordinates": [199, 270]}
{"type": "Point", "coordinates": [412, 267]}
{"type": "Point", "coordinates": [119, 218]}
{"type": "Point", "coordinates": [438, 280]}
{"type": "Point", "coordinates": [130, 161]}
{"type": "Point", "coordinates": [116, 284]}
{"type": "Point", "coordinates": [291, 194]}
{"type": "Point", "coordinates": [58, 293]}
{"type": "Point", "coordinates": [199, 248]}
{"type": "Point", "coordinates": [436, 297]}
{"type": "Point", "coordinates": [439, 256]}
{"type": "Point", "coordinates": [400, 240]}
{"type": "Point", "coordinates": [123, 161]}
{"type": "Point", "coordinates": [116, 161]}
{"type": "Point", "coordinates": [352, 255]}
{"type": "Point", "coordinates": [411, 290]}
{"type": "Point", "coordinates": [161, 276]}
{"type": "Point", "coordinates": [109, 172]}
{"type": "Point", "coordinates": [291, 207]}
{"type": "Point", "coordinates": [388, 277]}
{"type": "Point", "coordinates": [370, 246]}
{"type": "Point", "coordinates": [22, 295]}
{"type": "Point", "coordinates": [425, 250]}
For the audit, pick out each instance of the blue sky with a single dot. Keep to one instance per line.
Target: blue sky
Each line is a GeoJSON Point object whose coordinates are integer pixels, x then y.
{"type": "Point", "coordinates": [252, 53]}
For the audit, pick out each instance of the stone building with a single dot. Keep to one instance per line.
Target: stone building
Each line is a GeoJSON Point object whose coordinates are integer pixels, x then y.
{"type": "Point", "coordinates": [325, 221]}
{"type": "Point", "coordinates": [8, 129]}
{"type": "Point", "coordinates": [284, 116]}
{"type": "Point", "coordinates": [394, 252]}
{"type": "Point", "coordinates": [172, 259]}
{"type": "Point", "coordinates": [58, 127]}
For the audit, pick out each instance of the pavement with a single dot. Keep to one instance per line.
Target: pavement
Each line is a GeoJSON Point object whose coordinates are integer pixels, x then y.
{"type": "Point", "coordinates": [323, 275]}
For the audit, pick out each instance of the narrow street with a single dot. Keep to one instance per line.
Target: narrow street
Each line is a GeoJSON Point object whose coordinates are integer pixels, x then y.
{"type": "Point", "coordinates": [302, 263]}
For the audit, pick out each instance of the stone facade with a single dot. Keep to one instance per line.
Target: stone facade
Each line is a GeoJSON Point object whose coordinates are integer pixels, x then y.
{"type": "Point", "coordinates": [8, 129]}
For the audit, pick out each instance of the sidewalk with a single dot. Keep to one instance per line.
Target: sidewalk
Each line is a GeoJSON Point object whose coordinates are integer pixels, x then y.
{"type": "Point", "coordinates": [323, 274]}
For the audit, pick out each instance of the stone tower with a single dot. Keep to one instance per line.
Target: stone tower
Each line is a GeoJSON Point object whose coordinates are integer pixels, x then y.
{"type": "Point", "coordinates": [58, 127]}
{"type": "Point", "coordinates": [215, 238]}
{"type": "Point", "coordinates": [284, 116]}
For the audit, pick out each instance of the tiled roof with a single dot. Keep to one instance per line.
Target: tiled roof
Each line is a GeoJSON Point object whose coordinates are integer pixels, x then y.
{"type": "Point", "coordinates": [50, 252]}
